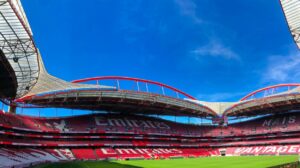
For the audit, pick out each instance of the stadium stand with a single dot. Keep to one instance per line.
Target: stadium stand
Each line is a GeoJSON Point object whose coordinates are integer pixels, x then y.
{"type": "Point", "coordinates": [135, 124]}
{"type": "Point", "coordinates": [104, 136]}
{"type": "Point", "coordinates": [28, 156]}
{"type": "Point", "coordinates": [130, 133]}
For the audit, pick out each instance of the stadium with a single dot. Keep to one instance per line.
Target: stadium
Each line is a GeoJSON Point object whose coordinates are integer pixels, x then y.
{"type": "Point", "coordinates": [124, 127]}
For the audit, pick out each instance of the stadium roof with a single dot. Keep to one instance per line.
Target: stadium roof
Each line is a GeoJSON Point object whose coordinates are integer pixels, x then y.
{"type": "Point", "coordinates": [48, 83]}
{"type": "Point", "coordinates": [17, 45]}
{"type": "Point", "coordinates": [273, 99]}
{"type": "Point", "coordinates": [291, 9]}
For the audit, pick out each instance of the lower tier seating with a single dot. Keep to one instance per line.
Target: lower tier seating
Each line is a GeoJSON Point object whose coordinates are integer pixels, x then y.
{"type": "Point", "coordinates": [28, 157]}
{"type": "Point", "coordinates": [13, 157]}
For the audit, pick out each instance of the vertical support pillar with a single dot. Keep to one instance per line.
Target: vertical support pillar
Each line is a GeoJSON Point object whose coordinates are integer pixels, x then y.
{"type": "Point", "coordinates": [12, 108]}
{"type": "Point", "coordinates": [177, 95]}
{"type": "Point", "coordinates": [163, 90]}
{"type": "Point", "coordinates": [147, 89]}
{"type": "Point", "coordinates": [118, 84]}
{"type": "Point", "coordinates": [138, 86]}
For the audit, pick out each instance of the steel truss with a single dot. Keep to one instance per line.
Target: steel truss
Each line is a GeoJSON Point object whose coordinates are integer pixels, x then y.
{"type": "Point", "coordinates": [291, 9]}
{"type": "Point", "coordinates": [18, 46]}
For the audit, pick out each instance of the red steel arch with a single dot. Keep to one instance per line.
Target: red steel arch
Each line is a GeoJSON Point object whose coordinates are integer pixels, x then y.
{"type": "Point", "coordinates": [135, 80]}
{"type": "Point", "coordinates": [268, 88]}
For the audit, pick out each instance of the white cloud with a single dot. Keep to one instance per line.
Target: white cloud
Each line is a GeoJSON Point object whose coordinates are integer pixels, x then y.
{"type": "Point", "coordinates": [188, 8]}
{"type": "Point", "coordinates": [215, 49]}
{"type": "Point", "coordinates": [283, 68]}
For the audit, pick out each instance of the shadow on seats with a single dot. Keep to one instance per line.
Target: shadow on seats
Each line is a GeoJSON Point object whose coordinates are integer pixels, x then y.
{"type": "Point", "coordinates": [85, 164]}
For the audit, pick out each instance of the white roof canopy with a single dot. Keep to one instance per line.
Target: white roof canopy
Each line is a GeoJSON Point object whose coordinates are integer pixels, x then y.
{"type": "Point", "coordinates": [291, 9]}
{"type": "Point", "coordinates": [17, 44]}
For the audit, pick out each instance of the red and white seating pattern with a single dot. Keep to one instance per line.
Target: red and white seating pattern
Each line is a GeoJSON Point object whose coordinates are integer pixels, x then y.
{"type": "Point", "coordinates": [25, 157]}
{"type": "Point", "coordinates": [111, 123]}
{"type": "Point", "coordinates": [124, 153]}
{"type": "Point", "coordinates": [105, 136]}
{"type": "Point", "coordinates": [12, 157]}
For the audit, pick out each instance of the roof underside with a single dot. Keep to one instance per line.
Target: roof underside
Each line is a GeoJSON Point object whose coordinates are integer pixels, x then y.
{"type": "Point", "coordinates": [120, 101]}
{"type": "Point", "coordinates": [17, 45]}
{"type": "Point", "coordinates": [8, 84]}
{"type": "Point", "coordinates": [291, 9]}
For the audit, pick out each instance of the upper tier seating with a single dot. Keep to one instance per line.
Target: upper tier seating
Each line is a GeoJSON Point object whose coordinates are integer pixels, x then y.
{"type": "Point", "coordinates": [132, 124]}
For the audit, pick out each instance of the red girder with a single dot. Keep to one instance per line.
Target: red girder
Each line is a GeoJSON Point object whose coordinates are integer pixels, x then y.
{"type": "Point", "coordinates": [133, 79]}
{"type": "Point", "coordinates": [267, 88]}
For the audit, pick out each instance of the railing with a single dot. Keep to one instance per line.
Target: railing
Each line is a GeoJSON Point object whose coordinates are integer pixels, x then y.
{"type": "Point", "coordinates": [137, 84]}
{"type": "Point", "coordinates": [270, 90]}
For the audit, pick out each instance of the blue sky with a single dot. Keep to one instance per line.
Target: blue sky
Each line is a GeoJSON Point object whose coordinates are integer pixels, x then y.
{"type": "Point", "coordinates": [215, 50]}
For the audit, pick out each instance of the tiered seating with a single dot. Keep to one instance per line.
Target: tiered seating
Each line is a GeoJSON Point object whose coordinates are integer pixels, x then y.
{"type": "Point", "coordinates": [140, 131]}
{"type": "Point", "coordinates": [11, 157]}
{"type": "Point", "coordinates": [106, 153]}
{"type": "Point", "coordinates": [99, 123]}
{"type": "Point", "coordinates": [26, 157]}
{"type": "Point", "coordinates": [86, 154]}
{"type": "Point", "coordinates": [145, 125]}
{"type": "Point", "coordinates": [103, 136]}
{"type": "Point", "coordinates": [272, 124]}
{"type": "Point", "coordinates": [126, 153]}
